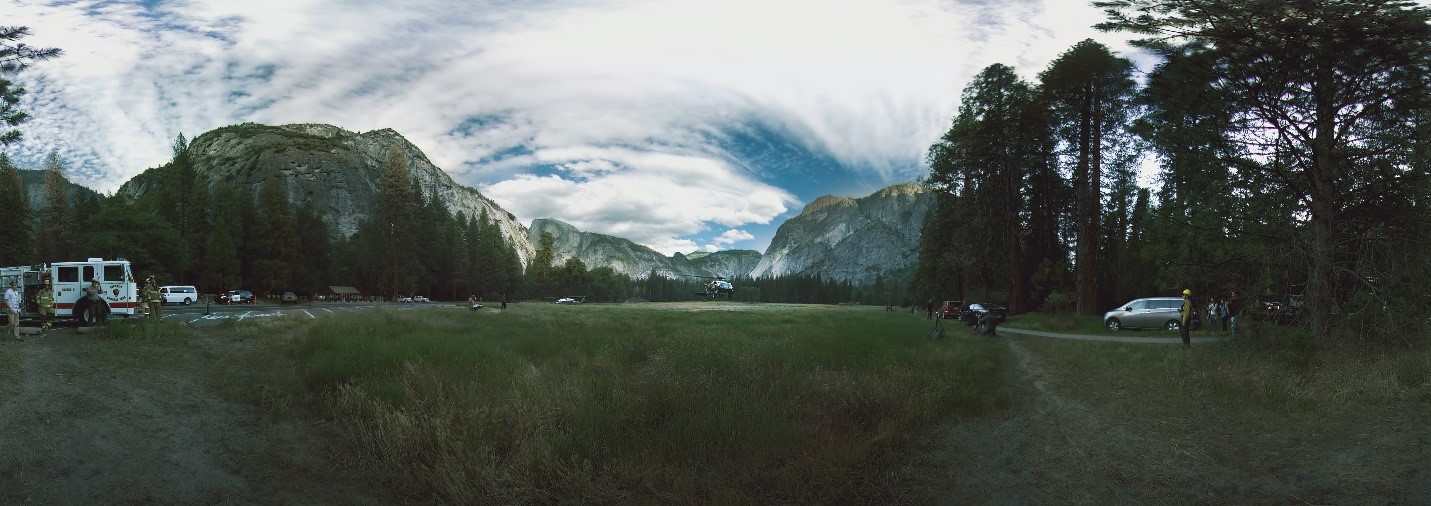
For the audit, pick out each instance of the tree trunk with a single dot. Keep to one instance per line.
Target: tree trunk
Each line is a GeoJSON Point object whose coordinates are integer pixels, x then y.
{"type": "Point", "coordinates": [1318, 298]}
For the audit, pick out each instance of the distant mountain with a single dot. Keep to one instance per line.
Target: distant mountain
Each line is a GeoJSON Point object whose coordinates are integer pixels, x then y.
{"type": "Point", "coordinates": [34, 181]}
{"type": "Point", "coordinates": [851, 239]}
{"type": "Point", "coordinates": [836, 238]}
{"type": "Point", "coordinates": [635, 260]}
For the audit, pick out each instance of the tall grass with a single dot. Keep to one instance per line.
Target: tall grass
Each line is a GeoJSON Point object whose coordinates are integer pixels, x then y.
{"type": "Point", "coordinates": [623, 403]}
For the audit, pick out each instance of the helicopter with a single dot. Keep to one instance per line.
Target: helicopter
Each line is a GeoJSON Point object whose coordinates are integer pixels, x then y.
{"type": "Point", "coordinates": [717, 287]}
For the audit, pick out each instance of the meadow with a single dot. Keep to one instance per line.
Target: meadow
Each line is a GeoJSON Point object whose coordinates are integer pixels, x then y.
{"type": "Point", "coordinates": [766, 403]}
{"type": "Point", "coordinates": [722, 402]}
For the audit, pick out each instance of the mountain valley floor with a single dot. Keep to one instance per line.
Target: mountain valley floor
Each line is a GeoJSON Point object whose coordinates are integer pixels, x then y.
{"type": "Point", "coordinates": [170, 414]}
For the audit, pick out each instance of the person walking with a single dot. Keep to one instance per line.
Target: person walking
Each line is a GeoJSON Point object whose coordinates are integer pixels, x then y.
{"type": "Point", "coordinates": [1187, 313]}
{"type": "Point", "coordinates": [153, 298]}
{"type": "Point", "coordinates": [45, 299]}
{"type": "Point", "coordinates": [12, 309]}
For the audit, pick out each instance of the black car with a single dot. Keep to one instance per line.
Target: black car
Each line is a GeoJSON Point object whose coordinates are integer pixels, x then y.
{"type": "Point", "coordinates": [972, 313]}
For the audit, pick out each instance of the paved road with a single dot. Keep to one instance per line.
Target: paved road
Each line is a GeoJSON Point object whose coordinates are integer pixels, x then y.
{"type": "Point", "coordinates": [1172, 339]}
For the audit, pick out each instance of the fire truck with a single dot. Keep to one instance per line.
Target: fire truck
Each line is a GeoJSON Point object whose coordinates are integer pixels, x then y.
{"type": "Point", "coordinates": [68, 280]}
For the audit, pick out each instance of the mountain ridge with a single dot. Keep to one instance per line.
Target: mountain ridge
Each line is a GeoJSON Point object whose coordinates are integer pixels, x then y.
{"type": "Point", "coordinates": [338, 170]}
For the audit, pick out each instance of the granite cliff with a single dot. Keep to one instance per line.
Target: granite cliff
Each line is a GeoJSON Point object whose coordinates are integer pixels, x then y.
{"type": "Point", "coordinates": [335, 169]}
{"type": "Point", "coordinates": [836, 238]}
{"type": "Point", "coordinates": [851, 239]}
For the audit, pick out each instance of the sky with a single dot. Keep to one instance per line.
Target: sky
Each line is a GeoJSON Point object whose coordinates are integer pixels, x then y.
{"type": "Point", "coordinates": [682, 125]}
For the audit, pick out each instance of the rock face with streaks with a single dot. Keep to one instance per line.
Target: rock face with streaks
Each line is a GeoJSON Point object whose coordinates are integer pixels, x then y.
{"type": "Point", "coordinates": [335, 169]}
{"type": "Point", "coordinates": [851, 239]}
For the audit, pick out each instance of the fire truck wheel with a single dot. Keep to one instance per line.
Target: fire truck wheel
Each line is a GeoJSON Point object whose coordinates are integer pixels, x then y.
{"type": "Point", "coordinates": [81, 310]}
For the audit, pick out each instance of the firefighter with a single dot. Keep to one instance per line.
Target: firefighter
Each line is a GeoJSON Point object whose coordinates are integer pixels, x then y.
{"type": "Point", "coordinates": [1187, 317]}
{"type": "Point", "coordinates": [95, 293]}
{"type": "Point", "coordinates": [45, 298]}
{"type": "Point", "coordinates": [152, 297]}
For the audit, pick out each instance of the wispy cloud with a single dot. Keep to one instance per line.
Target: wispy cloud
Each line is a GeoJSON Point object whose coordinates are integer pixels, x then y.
{"type": "Point", "coordinates": [610, 115]}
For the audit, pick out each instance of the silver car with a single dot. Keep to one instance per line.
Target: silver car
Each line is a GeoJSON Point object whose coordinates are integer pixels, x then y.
{"type": "Point", "coordinates": [1148, 313]}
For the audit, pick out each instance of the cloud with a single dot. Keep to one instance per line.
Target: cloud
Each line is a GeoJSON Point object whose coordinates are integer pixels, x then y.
{"type": "Point", "coordinates": [727, 239]}
{"type": "Point", "coordinates": [614, 115]}
{"type": "Point", "coordinates": [653, 199]}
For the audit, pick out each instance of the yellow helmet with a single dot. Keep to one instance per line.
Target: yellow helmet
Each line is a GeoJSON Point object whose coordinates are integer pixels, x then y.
{"type": "Point", "coordinates": [1187, 291]}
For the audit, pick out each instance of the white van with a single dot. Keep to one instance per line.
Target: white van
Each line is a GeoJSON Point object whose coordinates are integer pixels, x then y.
{"type": "Point", "coordinates": [182, 294]}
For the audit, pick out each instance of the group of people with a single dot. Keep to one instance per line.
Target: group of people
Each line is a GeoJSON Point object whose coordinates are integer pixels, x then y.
{"type": "Point", "coordinates": [14, 304]}
{"type": "Point", "coordinates": [472, 299]}
{"type": "Point", "coordinates": [1221, 314]}
{"type": "Point", "coordinates": [95, 311]}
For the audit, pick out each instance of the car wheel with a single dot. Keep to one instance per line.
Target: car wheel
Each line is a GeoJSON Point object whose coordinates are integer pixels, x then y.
{"type": "Point", "coordinates": [1173, 325]}
{"type": "Point", "coordinates": [1113, 324]}
{"type": "Point", "coordinates": [188, 301]}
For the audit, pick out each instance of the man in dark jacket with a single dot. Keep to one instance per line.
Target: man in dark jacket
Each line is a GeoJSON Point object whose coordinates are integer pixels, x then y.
{"type": "Point", "coordinates": [1234, 309]}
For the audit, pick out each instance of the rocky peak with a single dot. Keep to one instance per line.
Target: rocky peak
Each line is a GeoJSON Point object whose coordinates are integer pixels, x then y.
{"type": "Point", "coordinates": [846, 239]}
{"type": "Point", "coordinates": [335, 169]}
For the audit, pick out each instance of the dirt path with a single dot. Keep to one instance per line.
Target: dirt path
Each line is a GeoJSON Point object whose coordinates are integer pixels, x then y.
{"type": "Point", "coordinates": [85, 419]}
{"type": "Point", "coordinates": [1067, 439]}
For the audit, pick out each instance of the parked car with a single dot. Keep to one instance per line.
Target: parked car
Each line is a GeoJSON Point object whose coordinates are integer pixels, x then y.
{"type": "Point", "coordinates": [1149, 313]}
{"type": "Point", "coordinates": [289, 298]}
{"type": "Point", "coordinates": [420, 298]}
{"type": "Point", "coordinates": [404, 299]}
{"type": "Point", "coordinates": [179, 294]}
{"type": "Point", "coordinates": [567, 300]}
{"type": "Point", "coordinates": [972, 313]}
{"type": "Point", "coordinates": [236, 297]}
{"type": "Point", "coordinates": [951, 309]}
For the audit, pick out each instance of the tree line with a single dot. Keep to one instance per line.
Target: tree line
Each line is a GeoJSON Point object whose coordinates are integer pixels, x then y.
{"type": "Point", "coordinates": [1292, 145]}
{"type": "Point", "coordinates": [185, 230]}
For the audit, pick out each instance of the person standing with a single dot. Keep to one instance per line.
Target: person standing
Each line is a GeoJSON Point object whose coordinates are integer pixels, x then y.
{"type": "Point", "coordinates": [95, 294]}
{"type": "Point", "coordinates": [1234, 308]}
{"type": "Point", "coordinates": [929, 309]}
{"type": "Point", "coordinates": [504, 301]}
{"type": "Point", "coordinates": [12, 309]}
{"type": "Point", "coordinates": [1212, 317]}
{"type": "Point", "coordinates": [1187, 313]}
{"type": "Point", "coordinates": [153, 298]}
{"type": "Point", "coordinates": [45, 298]}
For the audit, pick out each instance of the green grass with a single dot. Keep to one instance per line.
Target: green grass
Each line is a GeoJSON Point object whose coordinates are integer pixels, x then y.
{"type": "Point", "coordinates": [665, 403]}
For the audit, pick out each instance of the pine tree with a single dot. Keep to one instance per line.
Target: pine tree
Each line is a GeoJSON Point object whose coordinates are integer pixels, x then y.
{"type": "Point", "coordinates": [1330, 96]}
{"type": "Point", "coordinates": [14, 57]}
{"type": "Point", "coordinates": [1090, 92]}
{"type": "Point", "coordinates": [396, 220]}
{"type": "Point", "coordinates": [276, 240]}
{"type": "Point", "coordinates": [56, 231]}
{"type": "Point", "coordinates": [18, 246]}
